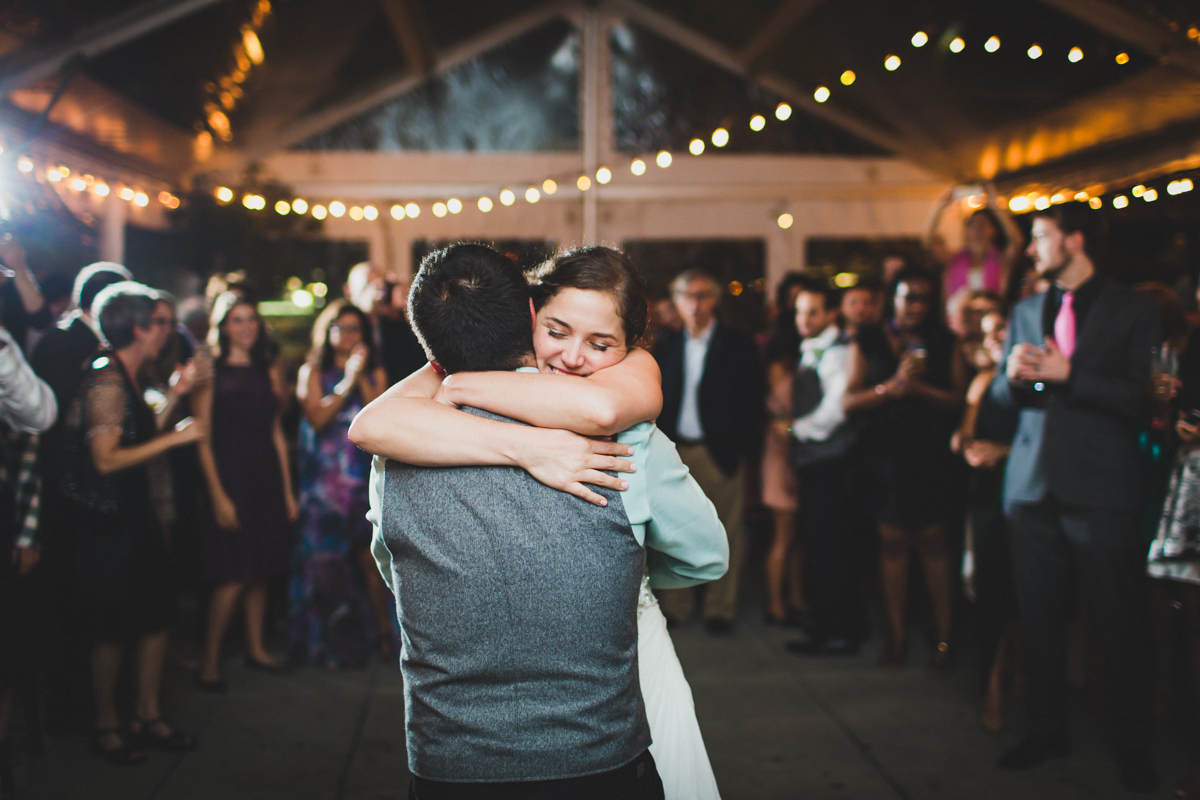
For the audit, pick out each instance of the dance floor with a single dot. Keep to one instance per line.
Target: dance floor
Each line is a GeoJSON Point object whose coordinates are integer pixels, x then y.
{"type": "Point", "coordinates": [777, 726]}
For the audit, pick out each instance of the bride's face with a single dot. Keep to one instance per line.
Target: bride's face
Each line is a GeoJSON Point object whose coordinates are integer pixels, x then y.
{"type": "Point", "coordinates": [579, 332]}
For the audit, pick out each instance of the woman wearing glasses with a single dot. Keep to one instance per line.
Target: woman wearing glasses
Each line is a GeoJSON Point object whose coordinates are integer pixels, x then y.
{"type": "Point", "coordinates": [338, 604]}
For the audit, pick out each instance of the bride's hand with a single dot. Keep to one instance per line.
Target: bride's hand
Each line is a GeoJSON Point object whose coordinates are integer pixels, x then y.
{"type": "Point", "coordinates": [567, 461]}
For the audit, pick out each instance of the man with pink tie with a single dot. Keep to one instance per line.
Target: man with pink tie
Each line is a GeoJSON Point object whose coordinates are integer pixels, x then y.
{"type": "Point", "coordinates": [1077, 366]}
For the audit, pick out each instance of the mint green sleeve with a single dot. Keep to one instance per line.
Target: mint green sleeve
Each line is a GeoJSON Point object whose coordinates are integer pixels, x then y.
{"type": "Point", "coordinates": [685, 540]}
{"type": "Point", "coordinates": [379, 548]}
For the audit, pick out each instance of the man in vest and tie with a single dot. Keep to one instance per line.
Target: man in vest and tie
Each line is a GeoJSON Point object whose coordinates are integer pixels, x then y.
{"type": "Point", "coordinates": [1077, 366]}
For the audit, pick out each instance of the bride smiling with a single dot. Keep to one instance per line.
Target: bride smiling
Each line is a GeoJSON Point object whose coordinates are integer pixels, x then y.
{"type": "Point", "coordinates": [590, 311]}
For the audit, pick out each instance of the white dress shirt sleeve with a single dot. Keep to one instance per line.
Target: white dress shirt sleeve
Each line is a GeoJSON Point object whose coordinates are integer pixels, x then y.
{"type": "Point", "coordinates": [26, 402]}
{"type": "Point", "coordinates": [818, 424]}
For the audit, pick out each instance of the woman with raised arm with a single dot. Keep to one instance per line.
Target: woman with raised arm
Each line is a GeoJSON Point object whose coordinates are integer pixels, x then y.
{"type": "Point", "coordinates": [590, 312]}
{"type": "Point", "coordinates": [338, 603]}
{"type": "Point", "coordinates": [244, 541]}
{"type": "Point", "coordinates": [123, 569]}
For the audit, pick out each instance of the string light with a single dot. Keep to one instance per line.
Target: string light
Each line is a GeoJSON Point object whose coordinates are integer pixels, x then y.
{"type": "Point", "coordinates": [603, 175]}
{"type": "Point", "coordinates": [1122, 58]}
{"type": "Point", "coordinates": [920, 39]}
{"type": "Point", "coordinates": [891, 63]}
{"type": "Point", "coordinates": [453, 205]}
{"type": "Point", "coordinates": [663, 159]}
{"type": "Point", "coordinates": [1075, 56]}
{"type": "Point", "coordinates": [758, 122]}
{"type": "Point", "coordinates": [1019, 204]}
{"type": "Point", "coordinates": [784, 221]}
{"type": "Point", "coordinates": [507, 197]}
{"type": "Point", "coordinates": [439, 210]}
{"type": "Point", "coordinates": [549, 186]}
{"type": "Point", "coordinates": [1180, 186]}
{"type": "Point", "coordinates": [584, 183]}
{"type": "Point", "coordinates": [319, 212]}
{"type": "Point", "coordinates": [992, 44]}
{"type": "Point", "coordinates": [696, 147]}
{"type": "Point", "coordinates": [283, 208]}
{"type": "Point", "coordinates": [356, 213]}
{"type": "Point", "coordinates": [485, 204]}
{"type": "Point", "coordinates": [1034, 51]}
{"type": "Point", "coordinates": [821, 94]}
{"type": "Point", "coordinates": [141, 200]}
{"type": "Point", "coordinates": [532, 195]}
{"type": "Point", "coordinates": [299, 206]}
{"type": "Point", "coordinates": [101, 189]}
{"type": "Point", "coordinates": [78, 184]}
{"type": "Point", "coordinates": [412, 210]}
{"type": "Point", "coordinates": [224, 194]}
{"type": "Point", "coordinates": [54, 175]}
{"type": "Point", "coordinates": [337, 208]}
{"type": "Point", "coordinates": [637, 167]}
{"type": "Point", "coordinates": [720, 137]}
{"type": "Point", "coordinates": [25, 165]}
{"type": "Point", "coordinates": [782, 112]}
{"type": "Point", "coordinates": [848, 77]}
{"type": "Point", "coordinates": [957, 45]}
{"type": "Point", "coordinates": [1150, 195]}
{"type": "Point", "coordinates": [1042, 203]}
{"type": "Point", "coordinates": [397, 212]}
{"type": "Point", "coordinates": [1095, 202]}
{"type": "Point", "coordinates": [1138, 190]}
{"type": "Point", "coordinates": [1120, 201]}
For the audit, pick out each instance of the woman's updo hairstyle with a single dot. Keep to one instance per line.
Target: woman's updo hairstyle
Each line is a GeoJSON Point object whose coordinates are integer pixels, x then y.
{"type": "Point", "coordinates": [596, 269]}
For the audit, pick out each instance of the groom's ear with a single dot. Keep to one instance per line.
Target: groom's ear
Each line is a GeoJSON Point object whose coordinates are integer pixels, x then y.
{"type": "Point", "coordinates": [532, 314]}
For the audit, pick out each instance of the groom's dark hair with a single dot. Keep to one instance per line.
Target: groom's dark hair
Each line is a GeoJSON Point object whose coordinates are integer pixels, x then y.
{"type": "Point", "coordinates": [469, 306]}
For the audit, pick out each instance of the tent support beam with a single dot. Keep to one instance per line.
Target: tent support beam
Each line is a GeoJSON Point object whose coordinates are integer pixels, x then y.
{"type": "Point", "coordinates": [1126, 26]}
{"type": "Point", "coordinates": [412, 34]}
{"type": "Point", "coordinates": [787, 16]}
{"type": "Point", "coordinates": [25, 67]}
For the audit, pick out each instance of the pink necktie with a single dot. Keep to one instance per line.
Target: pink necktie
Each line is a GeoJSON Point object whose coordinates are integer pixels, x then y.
{"type": "Point", "coordinates": [1064, 325]}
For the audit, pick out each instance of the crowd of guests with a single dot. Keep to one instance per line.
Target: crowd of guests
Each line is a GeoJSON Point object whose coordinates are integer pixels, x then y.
{"type": "Point", "coordinates": [1026, 436]}
{"type": "Point", "coordinates": [143, 455]}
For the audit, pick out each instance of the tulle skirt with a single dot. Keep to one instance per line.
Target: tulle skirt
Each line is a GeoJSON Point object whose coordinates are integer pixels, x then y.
{"type": "Point", "coordinates": [678, 747]}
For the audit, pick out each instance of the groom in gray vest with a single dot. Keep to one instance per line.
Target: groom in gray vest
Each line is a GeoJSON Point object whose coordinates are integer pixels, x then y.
{"type": "Point", "coordinates": [518, 603]}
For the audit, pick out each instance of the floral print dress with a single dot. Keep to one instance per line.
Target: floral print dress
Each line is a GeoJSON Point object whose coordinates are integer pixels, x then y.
{"type": "Point", "coordinates": [329, 617]}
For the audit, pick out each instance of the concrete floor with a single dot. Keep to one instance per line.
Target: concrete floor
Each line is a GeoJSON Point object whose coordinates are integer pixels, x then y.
{"type": "Point", "coordinates": [777, 726]}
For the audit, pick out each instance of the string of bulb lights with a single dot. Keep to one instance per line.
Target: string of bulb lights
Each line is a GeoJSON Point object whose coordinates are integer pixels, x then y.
{"type": "Point", "coordinates": [81, 181]}
{"type": "Point", "coordinates": [225, 92]}
{"type": "Point", "coordinates": [638, 165]}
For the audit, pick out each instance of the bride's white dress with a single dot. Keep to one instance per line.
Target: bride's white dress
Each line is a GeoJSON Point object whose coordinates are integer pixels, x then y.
{"type": "Point", "coordinates": [678, 747]}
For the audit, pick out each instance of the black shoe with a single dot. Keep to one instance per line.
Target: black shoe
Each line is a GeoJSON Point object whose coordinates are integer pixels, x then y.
{"type": "Point", "coordinates": [275, 669]}
{"type": "Point", "coordinates": [718, 627]}
{"type": "Point", "coordinates": [219, 686]}
{"type": "Point", "coordinates": [157, 733]}
{"type": "Point", "coordinates": [823, 647]}
{"type": "Point", "coordinates": [1137, 770]}
{"type": "Point", "coordinates": [1034, 752]}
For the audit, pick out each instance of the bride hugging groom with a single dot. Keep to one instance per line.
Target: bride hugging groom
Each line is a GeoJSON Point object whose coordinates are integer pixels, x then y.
{"type": "Point", "coordinates": [536, 662]}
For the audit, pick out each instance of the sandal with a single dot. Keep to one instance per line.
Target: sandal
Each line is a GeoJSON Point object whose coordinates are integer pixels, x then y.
{"type": "Point", "coordinates": [173, 742]}
{"type": "Point", "coordinates": [123, 755]}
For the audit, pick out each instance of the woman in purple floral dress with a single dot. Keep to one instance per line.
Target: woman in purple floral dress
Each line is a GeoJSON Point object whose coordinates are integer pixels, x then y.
{"type": "Point", "coordinates": [338, 604]}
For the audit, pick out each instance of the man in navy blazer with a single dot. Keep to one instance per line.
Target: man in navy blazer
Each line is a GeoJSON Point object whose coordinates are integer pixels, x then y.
{"type": "Point", "coordinates": [1077, 366]}
{"type": "Point", "coordinates": [712, 409]}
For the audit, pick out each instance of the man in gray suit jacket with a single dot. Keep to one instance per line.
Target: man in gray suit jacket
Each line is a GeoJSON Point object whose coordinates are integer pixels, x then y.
{"type": "Point", "coordinates": [518, 603]}
{"type": "Point", "coordinates": [1077, 366]}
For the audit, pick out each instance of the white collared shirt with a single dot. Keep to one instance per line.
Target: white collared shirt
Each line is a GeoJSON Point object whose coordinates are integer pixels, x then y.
{"type": "Point", "coordinates": [695, 351]}
{"type": "Point", "coordinates": [829, 357]}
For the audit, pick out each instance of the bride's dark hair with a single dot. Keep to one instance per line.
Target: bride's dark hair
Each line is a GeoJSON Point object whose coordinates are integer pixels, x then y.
{"type": "Point", "coordinates": [597, 269]}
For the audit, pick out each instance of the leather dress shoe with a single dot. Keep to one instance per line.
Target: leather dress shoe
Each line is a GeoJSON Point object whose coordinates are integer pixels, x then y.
{"type": "Point", "coordinates": [1034, 752]}
{"type": "Point", "coordinates": [823, 647]}
{"type": "Point", "coordinates": [1137, 770]}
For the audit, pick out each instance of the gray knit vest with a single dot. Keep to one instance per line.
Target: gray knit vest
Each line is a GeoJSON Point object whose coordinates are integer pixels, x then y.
{"type": "Point", "coordinates": [518, 607]}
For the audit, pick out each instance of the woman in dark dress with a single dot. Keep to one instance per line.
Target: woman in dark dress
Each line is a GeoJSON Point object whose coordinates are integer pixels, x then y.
{"type": "Point", "coordinates": [983, 440]}
{"type": "Point", "coordinates": [123, 571]}
{"type": "Point", "coordinates": [908, 380]}
{"type": "Point", "coordinates": [245, 539]}
{"type": "Point", "coordinates": [338, 604]}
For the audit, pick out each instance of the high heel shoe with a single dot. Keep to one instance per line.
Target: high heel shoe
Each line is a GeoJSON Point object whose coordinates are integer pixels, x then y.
{"type": "Point", "coordinates": [124, 754]}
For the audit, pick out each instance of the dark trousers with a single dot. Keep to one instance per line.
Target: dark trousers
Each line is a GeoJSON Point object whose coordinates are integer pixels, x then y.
{"type": "Point", "coordinates": [1047, 538]}
{"type": "Point", "coordinates": [637, 780]}
{"type": "Point", "coordinates": [828, 549]}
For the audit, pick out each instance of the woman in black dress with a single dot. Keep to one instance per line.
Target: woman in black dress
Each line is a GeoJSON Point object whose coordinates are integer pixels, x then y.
{"type": "Point", "coordinates": [908, 380]}
{"type": "Point", "coordinates": [245, 537]}
{"type": "Point", "coordinates": [123, 575]}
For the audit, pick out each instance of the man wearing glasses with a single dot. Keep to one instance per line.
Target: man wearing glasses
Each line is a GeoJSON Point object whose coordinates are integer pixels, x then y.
{"type": "Point", "coordinates": [712, 407]}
